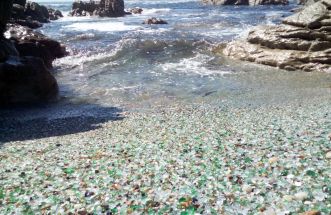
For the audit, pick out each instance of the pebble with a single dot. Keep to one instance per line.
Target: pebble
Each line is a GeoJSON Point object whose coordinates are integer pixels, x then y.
{"type": "Point", "coordinates": [247, 188]}
{"type": "Point", "coordinates": [152, 170]}
{"type": "Point", "coordinates": [328, 155]}
{"type": "Point", "coordinates": [273, 160]}
{"type": "Point", "coordinates": [269, 211]}
{"type": "Point", "coordinates": [301, 196]}
{"type": "Point", "coordinates": [288, 198]}
{"type": "Point", "coordinates": [311, 213]}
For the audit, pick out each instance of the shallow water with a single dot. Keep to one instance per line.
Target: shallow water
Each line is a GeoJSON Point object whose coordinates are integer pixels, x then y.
{"type": "Point", "coordinates": [121, 62]}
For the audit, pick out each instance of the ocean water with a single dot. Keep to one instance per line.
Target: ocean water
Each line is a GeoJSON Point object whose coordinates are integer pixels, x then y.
{"type": "Point", "coordinates": [121, 62]}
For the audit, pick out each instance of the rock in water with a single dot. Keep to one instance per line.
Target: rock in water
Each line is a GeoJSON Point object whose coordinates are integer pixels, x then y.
{"type": "Point", "coordinates": [302, 42]}
{"type": "Point", "coordinates": [31, 43]}
{"type": "Point", "coordinates": [32, 14]}
{"type": "Point", "coordinates": [37, 12]}
{"type": "Point", "coordinates": [154, 21]}
{"type": "Point", "coordinates": [136, 10]}
{"type": "Point", "coordinates": [112, 8]}
{"type": "Point", "coordinates": [106, 8]}
{"type": "Point", "coordinates": [5, 12]}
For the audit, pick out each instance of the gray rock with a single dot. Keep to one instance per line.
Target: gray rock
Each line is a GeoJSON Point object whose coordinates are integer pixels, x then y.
{"type": "Point", "coordinates": [106, 8]}
{"type": "Point", "coordinates": [309, 17]}
{"type": "Point", "coordinates": [303, 43]}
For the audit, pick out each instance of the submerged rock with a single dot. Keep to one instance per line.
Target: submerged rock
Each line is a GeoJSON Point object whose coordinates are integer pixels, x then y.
{"type": "Point", "coordinates": [105, 8]}
{"type": "Point", "coordinates": [154, 21]}
{"type": "Point", "coordinates": [246, 2]}
{"type": "Point", "coordinates": [302, 42]}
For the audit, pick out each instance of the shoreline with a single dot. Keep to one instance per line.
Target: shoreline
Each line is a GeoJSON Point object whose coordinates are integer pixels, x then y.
{"type": "Point", "coordinates": [209, 160]}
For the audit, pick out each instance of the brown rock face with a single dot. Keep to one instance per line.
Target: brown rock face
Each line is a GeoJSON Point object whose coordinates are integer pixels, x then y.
{"type": "Point", "coordinates": [26, 80]}
{"type": "Point", "coordinates": [302, 42]}
{"type": "Point", "coordinates": [31, 43]}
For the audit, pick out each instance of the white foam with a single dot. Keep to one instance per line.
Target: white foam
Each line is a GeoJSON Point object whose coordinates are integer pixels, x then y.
{"type": "Point", "coordinates": [102, 26]}
{"type": "Point", "coordinates": [192, 65]}
{"type": "Point", "coordinates": [155, 11]}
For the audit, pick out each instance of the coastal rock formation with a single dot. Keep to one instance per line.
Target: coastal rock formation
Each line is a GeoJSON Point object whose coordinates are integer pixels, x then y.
{"type": "Point", "coordinates": [154, 21]}
{"type": "Point", "coordinates": [5, 11]}
{"type": "Point", "coordinates": [302, 42]}
{"type": "Point", "coordinates": [25, 80]}
{"type": "Point", "coordinates": [246, 2]}
{"type": "Point", "coordinates": [105, 8]}
{"type": "Point", "coordinates": [25, 59]}
{"type": "Point", "coordinates": [32, 43]}
{"type": "Point", "coordinates": [32, 14]}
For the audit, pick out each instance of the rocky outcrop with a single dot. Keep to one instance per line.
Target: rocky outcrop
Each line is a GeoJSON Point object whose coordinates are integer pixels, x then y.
{"type": "Point", "coordinates": [32, 14]}
{"type": "Point", "coordinates": [5, 8]}
{"type": "Point", "coordinates": [302, 42]}
{"type": "Point", "coordinates": [25, 58]}
{"type": "Point", "coordinates": [25, 80]}
{"type": "Point", "coordinates": [154, 21]}
{"type": "Point", "coordinates": [105, 8]}
{"type": "Point", "coordinates": [246, 2]}
{"type": "Point", "coordinates": [32, 43]}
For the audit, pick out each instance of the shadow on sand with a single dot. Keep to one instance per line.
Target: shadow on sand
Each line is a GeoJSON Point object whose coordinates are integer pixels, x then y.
{"type": "Point", "coordinates": [35, 122]}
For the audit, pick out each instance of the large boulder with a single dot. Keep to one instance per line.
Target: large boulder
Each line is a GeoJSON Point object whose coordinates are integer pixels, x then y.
{"type": "Point", "coordinates": [32, 15]}
{"type": "Point", "coordinates": [7, 49]}
{"type": "Point", "coordinates": [111, 8]}
{"type": "Point", "coordinates": [246, 2]}
{"type": "Point", "coordinates": [37, 12]}
{"type": "Point", "coordinates": [105, 8]}
{"type": "Point", "coordinates": [5, 12]}
{"type": "Point", "coordinates": [302, 42]}
{"type": "Point", "coordinates": [26, 80]}
{"type": "Point", "coordinates": [32, 43]}
{"type": "Point", "coordinates": [310, 17]}
{"type": "Point", "coordinates": [54, 14]}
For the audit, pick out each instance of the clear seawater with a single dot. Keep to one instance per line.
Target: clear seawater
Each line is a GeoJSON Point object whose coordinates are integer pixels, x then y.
{"type": "Point", "coordinates": [121, 62]}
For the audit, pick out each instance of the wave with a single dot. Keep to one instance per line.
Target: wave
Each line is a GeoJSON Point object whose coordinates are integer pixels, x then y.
{"type": "Point", "coordinates": [155, 11]}
{"type": "Point", "coordinates": [102, 26]}
{"type": "Point", "coordinates": [197, 65]}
